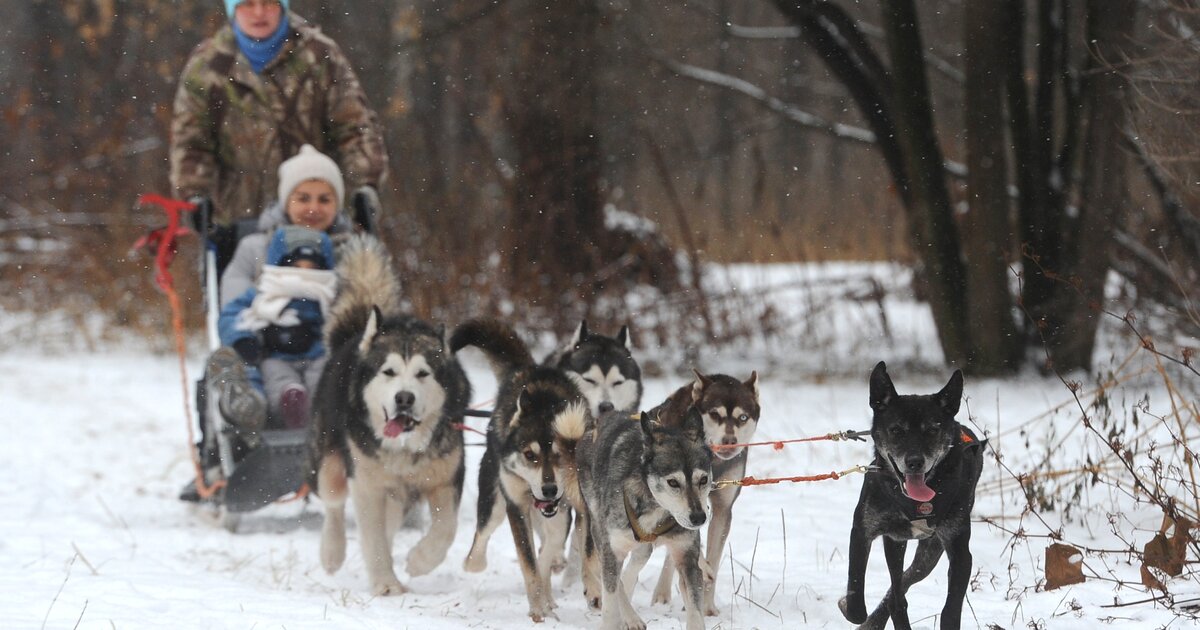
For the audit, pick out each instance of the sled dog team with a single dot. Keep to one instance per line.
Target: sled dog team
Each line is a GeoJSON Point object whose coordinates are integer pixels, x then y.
{"type": "Point", "coordinates": [571, 460]}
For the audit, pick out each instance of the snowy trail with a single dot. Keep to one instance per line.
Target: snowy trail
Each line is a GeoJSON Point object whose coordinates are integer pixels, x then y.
{"type": "Point", "coordinates": [91, 535]}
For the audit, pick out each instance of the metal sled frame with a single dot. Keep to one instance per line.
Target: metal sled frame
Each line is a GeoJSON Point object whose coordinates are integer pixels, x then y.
{"type": "Point", "coordinates": [274, 468]}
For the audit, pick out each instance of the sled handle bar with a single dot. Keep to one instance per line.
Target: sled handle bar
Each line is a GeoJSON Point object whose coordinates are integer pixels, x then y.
{"type": "Point", "coordinates": [365, 213]}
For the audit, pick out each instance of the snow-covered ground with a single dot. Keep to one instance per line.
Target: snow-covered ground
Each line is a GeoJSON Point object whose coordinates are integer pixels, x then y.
{"type": "Point", "coordinates": [93, 453]}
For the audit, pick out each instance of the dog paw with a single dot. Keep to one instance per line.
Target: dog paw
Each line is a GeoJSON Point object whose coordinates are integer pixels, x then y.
{"type": "Point", "coordinates": [333, 554]}
{"type": "Point", "coordinates": [661, 596]}
{"type": "Point", "coordinates": [711, 610]}
{"type": "Point", "coordinates": [539, 613]}
{"type": "Point", "coordinates": [423, 559]}
{"type": "Point", "coordinates": [475, 563]}
{"type": "Point", "coordinates": [854, 612]}
{"type": "Point", "coordinates": [388, 587]}
{"type": "Point", "coordinates": [632, 622]}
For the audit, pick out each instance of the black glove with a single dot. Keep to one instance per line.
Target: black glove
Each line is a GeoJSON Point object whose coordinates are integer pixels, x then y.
{"type": "Point", "coordinates": [366, 208]}
{"type": "Point", "coordinates": [290, 339]}
{"type": "Point", "coordinates": [202, 216]}
{"type": "Point", "coordinates": [249, 349]}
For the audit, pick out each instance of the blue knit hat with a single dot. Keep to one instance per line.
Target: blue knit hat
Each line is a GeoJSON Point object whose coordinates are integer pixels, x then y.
{"type": "Point", "coordinates": [291, 243]}
{"type": "Point", "coordinates": [230, 5]}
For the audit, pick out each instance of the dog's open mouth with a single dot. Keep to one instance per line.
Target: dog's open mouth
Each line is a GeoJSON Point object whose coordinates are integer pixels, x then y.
{"type": "Point", "coordinates": [401, 423]}
{"type": "Point", "coordinates": [914, 484]}
{"type": "Point", "coordinates": [548, 507]}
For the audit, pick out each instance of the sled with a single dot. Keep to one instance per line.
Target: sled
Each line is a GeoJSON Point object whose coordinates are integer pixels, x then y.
{"type": "Point", "coordinates": [250, 478]}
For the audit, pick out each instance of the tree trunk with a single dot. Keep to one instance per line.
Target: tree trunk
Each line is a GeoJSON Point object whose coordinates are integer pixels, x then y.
{"type": "Point", "coordinates": [934, 234]}
{"type": "Point", "coordinates": [554, 237]}
{"type": "Point", "coordinates": [1041, 216]}
{"type": "Point", "coordinates": [841, 46]}
{"type": "Point", "coordinates": [1103, 192]}
{"type": "Point", "coordinates": [987, 231]}
{"type": "Point", "coordinates": [722, 151]}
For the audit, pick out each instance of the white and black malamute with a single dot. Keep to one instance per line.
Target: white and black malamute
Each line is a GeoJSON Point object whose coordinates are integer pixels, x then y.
{"type": "Point", "coordinates": [604, 369]}
{"type": "Point", "coordinates": [382, 415]}
{"type": "Point", "coordinates": [540, 416]}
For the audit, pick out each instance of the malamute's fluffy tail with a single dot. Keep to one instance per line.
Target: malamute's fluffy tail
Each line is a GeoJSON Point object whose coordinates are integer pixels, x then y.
{"type": "Point", "coordinates": [365, 280]}
{"type": "Point", "coordinates": [504, 349]}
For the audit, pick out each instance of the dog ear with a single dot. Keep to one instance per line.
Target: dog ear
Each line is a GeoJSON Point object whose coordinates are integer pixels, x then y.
{"type": "Point", "coordinates": [699, 384]}
{"type": "Point", "coordinates": [522, 402]}
{"type": "Point", "coordinates": [370, 330]}
{"type": "Point", "coordinates": [648, 425]}
{"type": "Point", "coordinates": [581, 333]}
{"type": "Point", "coordinates": [752, 383]}
{"type": "Point", "coordinates": [442, 337]}
{"type": "Point", "coordinates": [623, 338]}
{"type": "Point", "coordinates": [951, 395]}
{"type": "Point", "coordinates": [693, 426]}
{"type": "Point", "coordinates": [883, 393]}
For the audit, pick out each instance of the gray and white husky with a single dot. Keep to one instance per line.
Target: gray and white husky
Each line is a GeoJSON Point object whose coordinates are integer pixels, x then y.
{"type": "Point", "coordinates": [645, 484]}
{"type": "Point", "coordinates": [382, 422]}
{"type": "Point", "coordinates": [730, 410]}
{"type": "Point", "coordinates": [609, 377]}
{"type": "Point", "coordinates": [604, 369]}
{"type": "Point", "coordinates": [539, 417]}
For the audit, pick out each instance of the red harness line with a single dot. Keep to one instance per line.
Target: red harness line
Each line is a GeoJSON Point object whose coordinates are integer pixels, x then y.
{"type": "Point", "coordinates": [164, 242]}
{"type": "Point", "coordinates": [754, 481]}
{"type": "Point", "coordinates": [778, 444]}
{"type": "Point", "coordinates": [462, 426]}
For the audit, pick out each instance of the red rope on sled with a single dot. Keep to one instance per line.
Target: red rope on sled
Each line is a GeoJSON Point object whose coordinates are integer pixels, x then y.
{"type": "Point", "coordinates": [165, 244]}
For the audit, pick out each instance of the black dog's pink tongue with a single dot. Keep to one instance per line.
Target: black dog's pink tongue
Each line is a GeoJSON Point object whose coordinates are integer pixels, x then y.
{"type": "Point", "coordinates": [393, 428]}
{"type": "Point", "coordinates": [915, 488]}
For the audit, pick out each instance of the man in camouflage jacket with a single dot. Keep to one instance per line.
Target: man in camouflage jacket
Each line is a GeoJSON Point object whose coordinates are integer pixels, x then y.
{"type": "Point", "coordinates": [232, 127]}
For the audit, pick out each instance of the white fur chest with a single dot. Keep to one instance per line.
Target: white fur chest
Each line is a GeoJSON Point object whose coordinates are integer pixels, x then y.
{"type": "Point", "coordinates": [394, 462]}
{"type": "Point", "coordinates": [921, 529]}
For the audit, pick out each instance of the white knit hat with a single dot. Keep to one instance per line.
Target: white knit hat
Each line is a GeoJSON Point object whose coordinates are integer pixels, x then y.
{"type": "Point", "coordinates": [308, 164]}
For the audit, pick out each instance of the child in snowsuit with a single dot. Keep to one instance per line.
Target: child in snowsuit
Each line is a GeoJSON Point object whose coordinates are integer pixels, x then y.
{"type": "Point", "coordinates": [277, 323]}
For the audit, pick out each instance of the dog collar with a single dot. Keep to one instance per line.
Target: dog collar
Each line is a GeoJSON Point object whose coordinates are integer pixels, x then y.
{"type": "Point", "coordinates": [641, 535]}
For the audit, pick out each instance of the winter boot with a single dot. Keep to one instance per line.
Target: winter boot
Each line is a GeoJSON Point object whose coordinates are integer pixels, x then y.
{"type": "Point", "coordinates": [240, 402]}
{"type": "Point", "coordinates": [293, 407]}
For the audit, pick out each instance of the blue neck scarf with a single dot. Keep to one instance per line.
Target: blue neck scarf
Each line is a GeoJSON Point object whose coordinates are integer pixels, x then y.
{"type": "Point", "coordinates": [260, 52]}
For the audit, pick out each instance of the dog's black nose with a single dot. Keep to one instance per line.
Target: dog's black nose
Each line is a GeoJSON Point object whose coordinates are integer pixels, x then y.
{"type": "Point", "coordinates": [914, 463]}
{"type": "Point", "coordinates": [405, 400]}
{"type": "Point", "coordinates": [606, 407]}
{"type": "Point", "coordinates": [729, 439]}
{"type": "Point", "coordinates": [697, 518]}
{"type": "Point", "coordinates": [549, 490]}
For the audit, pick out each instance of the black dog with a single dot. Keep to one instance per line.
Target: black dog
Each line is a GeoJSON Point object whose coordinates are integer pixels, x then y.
{"type": "Point", "coordinates": [922, 487]}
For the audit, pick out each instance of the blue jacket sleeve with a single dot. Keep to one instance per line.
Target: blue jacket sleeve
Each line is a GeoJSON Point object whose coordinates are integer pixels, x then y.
{"type": "Point", "coordinates": [227, 321]}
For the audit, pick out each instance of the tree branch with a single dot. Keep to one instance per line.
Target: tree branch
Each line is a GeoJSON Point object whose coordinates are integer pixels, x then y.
{"type": "Point", "coordinates": [790, 112]}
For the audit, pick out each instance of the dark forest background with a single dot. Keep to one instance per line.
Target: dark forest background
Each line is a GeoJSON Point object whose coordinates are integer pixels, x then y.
{"type": "Point", "coordinates": [550, 158]}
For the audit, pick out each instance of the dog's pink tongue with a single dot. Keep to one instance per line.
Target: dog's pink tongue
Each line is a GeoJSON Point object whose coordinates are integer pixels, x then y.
{"type": "Point", "coordinates": [915, 488]}
{"type": "Point", "coordinates": [393, 428]}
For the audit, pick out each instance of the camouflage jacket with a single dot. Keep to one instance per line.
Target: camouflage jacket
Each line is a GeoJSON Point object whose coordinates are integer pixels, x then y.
{"type": "Point", "coordinates": [232, 127]}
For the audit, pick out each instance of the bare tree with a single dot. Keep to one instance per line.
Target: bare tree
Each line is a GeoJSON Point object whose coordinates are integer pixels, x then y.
{"type": "Point", "coordinates": [987, 227]}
